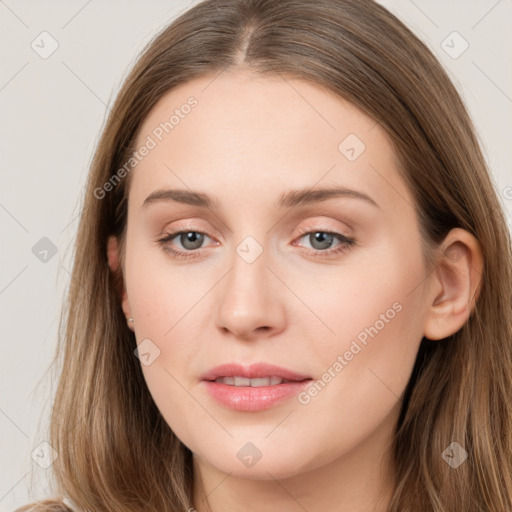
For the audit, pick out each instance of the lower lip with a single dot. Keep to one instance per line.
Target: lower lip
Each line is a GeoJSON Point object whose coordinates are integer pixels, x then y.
{"type": "Point", "coordinates": [247, 398]}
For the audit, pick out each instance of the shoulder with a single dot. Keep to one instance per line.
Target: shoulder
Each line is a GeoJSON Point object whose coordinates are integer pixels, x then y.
{"type": "Point", "coordinates": [53, 505]}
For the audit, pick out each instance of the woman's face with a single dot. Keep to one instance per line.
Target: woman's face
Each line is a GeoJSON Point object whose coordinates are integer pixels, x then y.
{"type": "Point", "coordinates": [274, 266]}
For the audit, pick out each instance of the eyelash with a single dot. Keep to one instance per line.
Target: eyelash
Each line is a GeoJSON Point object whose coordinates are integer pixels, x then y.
{"type": "Point", "coordinates": [345, 245]}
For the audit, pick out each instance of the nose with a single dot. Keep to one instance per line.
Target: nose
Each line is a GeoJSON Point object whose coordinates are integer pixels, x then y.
{"type": "Point", "coordinates": [250, 301]}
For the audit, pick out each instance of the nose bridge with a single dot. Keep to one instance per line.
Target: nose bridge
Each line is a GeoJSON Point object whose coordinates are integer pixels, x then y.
{"type": "Point", "coordinates": [249, 298]}
{"type": "Point", "coordinates": [249, 266]}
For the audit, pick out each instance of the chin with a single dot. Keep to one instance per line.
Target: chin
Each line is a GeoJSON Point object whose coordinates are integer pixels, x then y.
{"type": "Point", "coordinates": [272, 466]}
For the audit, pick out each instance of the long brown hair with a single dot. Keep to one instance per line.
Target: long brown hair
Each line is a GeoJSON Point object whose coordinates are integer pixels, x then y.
{"type": "Point", "coordinates": [116, 452]}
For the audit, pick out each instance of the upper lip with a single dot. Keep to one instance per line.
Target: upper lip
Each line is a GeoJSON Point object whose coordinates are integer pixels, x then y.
{"type": "Point", "coordinates": [253, 371]}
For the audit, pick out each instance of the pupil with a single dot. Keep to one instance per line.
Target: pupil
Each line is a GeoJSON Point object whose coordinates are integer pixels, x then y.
{"type": "Point", "coordinates": [192, 237]}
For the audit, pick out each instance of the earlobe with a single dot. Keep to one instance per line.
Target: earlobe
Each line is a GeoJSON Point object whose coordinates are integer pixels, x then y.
{"type": "Point", "coordinates": [457, 278]}
{"type": "Point", "coordinates": [114, 264]}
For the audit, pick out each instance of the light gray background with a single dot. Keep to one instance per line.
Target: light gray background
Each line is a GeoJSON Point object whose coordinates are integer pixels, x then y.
{"type": "Point", "coordinates": [51, 113]}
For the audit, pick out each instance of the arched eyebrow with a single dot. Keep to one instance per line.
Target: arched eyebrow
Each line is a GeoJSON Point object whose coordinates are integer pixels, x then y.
{"type": "Point", "coordinates": [288, 199]}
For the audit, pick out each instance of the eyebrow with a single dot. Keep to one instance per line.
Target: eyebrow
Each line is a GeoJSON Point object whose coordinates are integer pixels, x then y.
{"type": "Point", "coordinates": [288, 199]}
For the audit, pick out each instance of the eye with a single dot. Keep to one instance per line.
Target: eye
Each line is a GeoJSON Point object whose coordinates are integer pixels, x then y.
{"type": "Point", "coordinates": [322, 241]}
{"type": "Point", "coordinates": [189, 240]}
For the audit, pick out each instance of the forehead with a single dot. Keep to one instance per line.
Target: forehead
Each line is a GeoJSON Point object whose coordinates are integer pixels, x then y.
{"type": "Point", "coordinates": [244, 131]}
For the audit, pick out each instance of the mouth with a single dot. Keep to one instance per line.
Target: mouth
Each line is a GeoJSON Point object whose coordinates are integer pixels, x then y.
{"type": "Point", "coordinates": [253, 388]}
{"type": "Point", "coordinates": [253, 383]}
{"type": "Point", "coordinates": [242, 375]}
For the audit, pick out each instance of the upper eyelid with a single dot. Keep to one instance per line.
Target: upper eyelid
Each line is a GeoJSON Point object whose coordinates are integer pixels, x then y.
{"type": "Point", "coordinates": [345, 231]}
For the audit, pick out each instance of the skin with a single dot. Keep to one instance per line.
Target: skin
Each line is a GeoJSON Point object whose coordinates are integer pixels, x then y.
{"type": "Point", "coordinates": [250, 139]}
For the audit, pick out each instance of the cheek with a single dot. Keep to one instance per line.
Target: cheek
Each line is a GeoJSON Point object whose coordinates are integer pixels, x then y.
{"type": "Point", "coordinates": [371, 323]}
{"type": "Point", "coordinates": [177, 403]}
{"type": "Point", "coordinates": [354, 298]}
{"type": "Point", "coordinates": [162, 295]}
{"type": "Point", "coordinates": [165, 302]}
{"type": "Point", "coordinates": [172, 305]}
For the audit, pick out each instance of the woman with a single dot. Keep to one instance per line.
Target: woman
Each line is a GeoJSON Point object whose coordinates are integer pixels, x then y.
{"type": "Point", "coordinates": [292, 282]}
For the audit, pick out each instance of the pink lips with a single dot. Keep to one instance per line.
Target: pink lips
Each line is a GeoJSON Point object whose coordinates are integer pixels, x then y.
{"type": "Point", "coordinates": [252, 372]}
{"type": "Point", "coordinates": [248, 398]}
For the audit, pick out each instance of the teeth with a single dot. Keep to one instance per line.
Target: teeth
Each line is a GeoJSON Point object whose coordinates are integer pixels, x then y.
{"type": "Point", "coordinates": [242, 381]}
{"type": "Point", "coordinates": [263, 381]}
{"type": "Point", "coordinates": [255, 383]}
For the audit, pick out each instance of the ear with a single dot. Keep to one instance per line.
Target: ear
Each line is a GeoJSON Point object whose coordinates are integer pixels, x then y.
{"type": "Point", "coordinates": [114, 259]}
{"type": "Point", "coordinates": [454, 284]}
